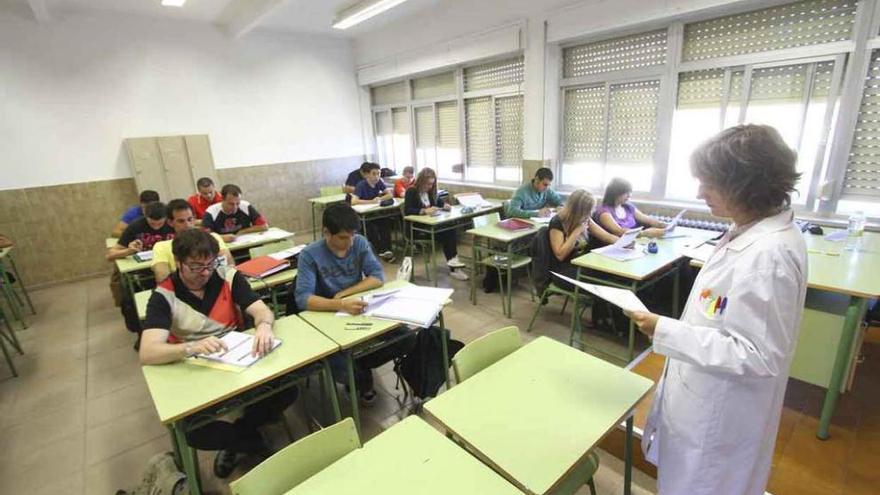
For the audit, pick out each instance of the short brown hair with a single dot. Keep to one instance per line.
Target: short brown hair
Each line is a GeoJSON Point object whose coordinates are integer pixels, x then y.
{"type": "Point", "coordinates": [751, 165]}
{"type": "Point", "coordinates": [194, 243]}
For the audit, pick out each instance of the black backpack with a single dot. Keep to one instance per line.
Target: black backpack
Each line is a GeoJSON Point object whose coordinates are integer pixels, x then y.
{"type": "Point", "coordinates": [422, 368]}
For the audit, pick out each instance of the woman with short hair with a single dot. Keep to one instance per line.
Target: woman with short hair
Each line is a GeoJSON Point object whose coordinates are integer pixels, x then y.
{"type": "Point", "coordinates": [716, 411]}
{"type": "Point", "coordinates": [617, 215]}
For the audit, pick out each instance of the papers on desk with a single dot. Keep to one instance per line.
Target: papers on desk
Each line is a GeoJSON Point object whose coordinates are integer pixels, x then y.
{"type": "Point", "coordinates": [669, 232]}
{"type": "Point", "coordinates": [836, 236]}
{"type": "Point", "coordinates": [238, 350]}
{"type": "Point", "coordinates": [412, 305]}
{"type": "Point", "coordinates": [361, 208]}
{"type": "Point", "coordinates": [474, 200]}
{"type": "Point", "coordinates": [622, 298]}
{"type": "Point", "coordinates": [143, 256]}
{"type": "Point", "coordinates": [267, 235]}
{"type": "Point", "coordinates": [541, 220]}
{"type": "Point", "coordinates": [288, 253]}
{"type": "Point", "coordinates": [620, 250]}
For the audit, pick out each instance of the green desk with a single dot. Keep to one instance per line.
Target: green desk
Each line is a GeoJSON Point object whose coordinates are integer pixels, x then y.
{"type": "Point", "coordinates": [393, 211]}
{"type": "Point", "coordinates": [323, 202]}
{"type": "Point", "coordinates": [133, 272]}
{"type": "Point", "coordinates": [110, 242]}
{"type": "Point", "coordinates": [187, 396]}
{"type": "Point", "coordinates": [11, 289]}
{"type": "Point", "coordinates": [357, 343]}
{"type": "Point", "coordinates": [840, 284]}
{"type": "Point", "coordinates": [638, 274]}
{"type": "Point", "coordinates": [513, 241]}
{"type": "Point", "coordinates": [432, 225]}
{"type": "Point", "coordinates": [408, 458]}
{"type": "Point", "coordinates": [501, 414]}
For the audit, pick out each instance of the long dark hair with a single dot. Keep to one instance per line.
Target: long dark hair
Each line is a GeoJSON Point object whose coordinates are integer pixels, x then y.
{"type": "Point", "coordinates": [421, 179]}
{"type": "Point", "coordinates": [614, 189]}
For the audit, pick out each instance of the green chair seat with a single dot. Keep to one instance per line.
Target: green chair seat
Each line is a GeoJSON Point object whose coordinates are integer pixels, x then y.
{"type": "Point", "coordinates": [516, 261]}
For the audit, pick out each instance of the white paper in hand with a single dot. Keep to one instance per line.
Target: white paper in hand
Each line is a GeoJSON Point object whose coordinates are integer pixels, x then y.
{"type": "Point", "coordinates": [623, 298]}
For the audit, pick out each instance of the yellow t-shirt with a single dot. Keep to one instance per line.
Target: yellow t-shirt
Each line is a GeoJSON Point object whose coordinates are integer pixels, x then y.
{"type": "Point", "coordinates": [162, 252]}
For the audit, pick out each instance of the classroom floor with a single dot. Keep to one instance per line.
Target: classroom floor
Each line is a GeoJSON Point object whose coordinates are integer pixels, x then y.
{"type": "Point", "coordinates": [79, 418]}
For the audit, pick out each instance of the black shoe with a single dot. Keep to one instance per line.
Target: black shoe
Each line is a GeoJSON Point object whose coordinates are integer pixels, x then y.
{"type": "Point", "coordinates": [224, 463]}
{"type": "Point", "coordinates": [368, 398]}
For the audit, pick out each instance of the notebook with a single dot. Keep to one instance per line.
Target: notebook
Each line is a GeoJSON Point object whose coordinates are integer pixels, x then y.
{"type": "Point", "coordinates": [262, 266]}
{"type": "Point", "coordinates": [143, 256]}
{"type": "Point", "coordinates": [515, 224]}
{"type": "Point", "coordinates": [620, 250]}
{"type": "Point", "coordinates": [238, 350]}
{"type": "Point", "coordinates": [412, 305]}
{"type": "Point", "coordinates": [361, 208]}
{"type": "Point", "coordinates": [474, 200]}
{"type": "Point", "coordinates": [287, 253]}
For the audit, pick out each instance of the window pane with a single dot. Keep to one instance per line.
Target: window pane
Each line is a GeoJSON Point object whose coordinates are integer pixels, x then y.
{"type": "Point", "coordinates": [862, 180]}
{"type": "Point", "coordinates": [796, 24]}
{"type": "Point", "coordinates": [494, 74]}
{"type": "Point", "coordinates": [509, 133]}
{"type": "Point", "coordinates": [479, 132]}
{"type": "Point", "coordinates": [425, 137]}
{"type": "Point", "coordinates": [402, 143]}
{"type": "Point", "coordinates": [628, 52]}
{"type": "Point", "coordinates": [632, 131]}
{"type": "Point", "coordinates": [584, 135]}
{"type": "Point", "coordinates": [389, 93]}
{"type": "Point", "coordinates": [384, 130]}
{"type": "Point", "coordinates": [448, 140]}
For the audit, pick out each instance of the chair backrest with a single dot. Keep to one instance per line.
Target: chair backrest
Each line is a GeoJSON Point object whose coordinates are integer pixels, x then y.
{"type": "Point", "coordinates": [487, 219]}
{"type": "Point", "coordinates": [484, 351]}
{"type": "Point", "coordinates": [405, 270]}
{"type": "Point", "coordinates": [299, 461]}
{"type": "Point", "coordinates": [331, 190]}
{"type": "Point", "coordinates": [266, 249]}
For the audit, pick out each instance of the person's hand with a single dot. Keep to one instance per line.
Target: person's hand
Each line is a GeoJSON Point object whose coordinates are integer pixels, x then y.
{"type": "Point", "coordinates": [228, 237]}
{"type": "Point", "coordinates": [654, 232]}
{"type": "Point", "coordinates": [263, 338]}
{"type": "Point", "coordinates": [447, 207]}
{"type": "Point", "coordinates": [645, 321]}
{"type": "Point", "coordinates": [353, 305]}
{"type": "Point", "coordinates": [579, 230]}
{"type": "Point", "coordinates": [207, 345]}
{"type": "Point", "coordinates": [136, 245]}
{"type": "Point", "coordinates": [376, 200]}
{"type": "Point", "coordinates": [544, 212]}
{"type": "Point", "coordinates": [430, 210]}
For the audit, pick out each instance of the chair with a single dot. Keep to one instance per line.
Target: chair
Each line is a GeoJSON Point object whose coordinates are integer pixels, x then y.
{"type": "Point", "coordinates": [299, 461]}
{"type": "Point", "coordinates": [9, 337]}
{"type": "Point", "coordinates": [331, 190]}
{"type": "Point", "coordinates": [554, 289]}
{"type": "Point", "coordinates": [490, 348]}
{"type": "Point", "coordinates": [514, 262]}
{"type": "Point", "coordinates": [425, 247]}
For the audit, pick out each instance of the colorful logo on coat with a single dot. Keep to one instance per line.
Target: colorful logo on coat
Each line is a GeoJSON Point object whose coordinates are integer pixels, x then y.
{"type": "Point", "coordinates": [713, 305]}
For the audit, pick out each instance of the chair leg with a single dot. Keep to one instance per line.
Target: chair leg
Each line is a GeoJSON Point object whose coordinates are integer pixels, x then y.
{"type": "Point", "coordinates": [501, 290]}
{"type": "Point", "coordinates": [8, 357]}
{"type": "Point", "coordinates": [564, 304]}
{"type": "Point", "coordinates": [592, 486]}
{"type": "Point", "coordinates": [532, 291]}
{"type": "Point", "coordinates": [537, 310]}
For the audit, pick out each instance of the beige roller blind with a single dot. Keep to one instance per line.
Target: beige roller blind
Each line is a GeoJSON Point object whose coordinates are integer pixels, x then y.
{"type": "Point", "coordinates": [862, 180]}
{"type": "Point", "coordinates": [628, 52]}
{"type": "Point", "coordinates": [402, 138]}
{"type": "Point", "coordinates": [434, 86]}
{"type": "Point", "coordinates": [494, 74]}
{"type": "Point", "coordinates": [479, 132]}
{"type": "Point", "coordinates": [425, 137]}
{"type": "Point", "coordinates": [389, 93]}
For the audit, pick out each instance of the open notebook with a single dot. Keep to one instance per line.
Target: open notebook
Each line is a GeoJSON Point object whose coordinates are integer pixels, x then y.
{"type": "Point", "coordinates": [474, 200]}
{"type": "Point", "coordinates": [620, 250]}
{"type": "Point", "coordinates": [411, 305]}
{"type": "Point", "coordinates": [238, 350]}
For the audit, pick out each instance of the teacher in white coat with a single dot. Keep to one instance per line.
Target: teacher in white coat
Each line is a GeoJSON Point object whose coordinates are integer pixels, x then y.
{"type": "Point", "coordinates": [713, 423]}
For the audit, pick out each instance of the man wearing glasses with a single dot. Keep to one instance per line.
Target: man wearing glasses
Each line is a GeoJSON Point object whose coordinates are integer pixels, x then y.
{"type": "Point", "coordinates": [187, 314]}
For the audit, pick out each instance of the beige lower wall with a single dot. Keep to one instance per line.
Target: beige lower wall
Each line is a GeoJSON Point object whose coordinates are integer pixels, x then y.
{"type": "Point", "coordinates": [59, 231]}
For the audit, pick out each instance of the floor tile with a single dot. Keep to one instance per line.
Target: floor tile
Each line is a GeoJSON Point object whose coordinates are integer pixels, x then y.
{"type": "Point", "coordinates": [34, 469]}
{"type": "Point", "coordinates": [118, 435]}
{"type": "Point", "coordinates": [117, 404]}
{"type": "Point", "coordinates": [125, 470]}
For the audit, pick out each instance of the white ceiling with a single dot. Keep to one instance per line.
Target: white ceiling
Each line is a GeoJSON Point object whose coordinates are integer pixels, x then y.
{"type": "Point", "coordinates": [300, 16]}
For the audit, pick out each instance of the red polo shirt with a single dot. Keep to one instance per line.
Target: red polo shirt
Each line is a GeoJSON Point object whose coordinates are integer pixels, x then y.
{"type": "Point", "coordinates": [199, 205]}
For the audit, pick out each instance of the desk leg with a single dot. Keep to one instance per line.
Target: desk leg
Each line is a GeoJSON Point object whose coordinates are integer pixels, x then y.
{"type": "Point", "coordinates": [189, 459]}
{"type": "Point", "coordinates": [9, 294]}
{"type": "Point", "coordinates": [628, 457]}
{"type": "Point", "coordinates": [314, 224]}
{"type": "Point", "coordinates": [434, 258]}
{"type": "Point", "coordinates": [444, 338]}
{"type": "Point", "coordinates": [509, 279]}
{"type": "Point", "coordinates": [475, 253]}
{"type": "Point", "coordinates": [330, 385]}
{"type": "Point", "coordinates": [352, 391]}
{"type": "Point", "coordinates": [631, 347]}
{"type": "Point", "coordinates": [854, 314]}
{"type": "Point", "coordinates": [21, 284]}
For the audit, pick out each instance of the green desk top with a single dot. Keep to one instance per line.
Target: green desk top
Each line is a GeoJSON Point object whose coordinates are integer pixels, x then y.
{"type": "Point", "coordinates": [409, 458]}
{"type": "Point", "coordinates": [502, 412]}
{"type": "Point", "coordinates": [129, 264]}
{"type": "Point", "coordinates": [328, 200]}
{"type": "Point", "coordinates": [334, 326]}
{"type": "Point", "coordinates": [669, 251]}
{"type": "Point", "coordinates": [395, 206]}
{"type": "Point", "coordinates": [111, 241]}
{"type": "Point", "coordinates": [140, 302]}
{"type": "Point", "coordinates": [497, 233]}
{"type": "Point", "coordinates": [181, 389]}
{"type": "Point", "coordinates": [274, 234]}
{"type": "Point", "coordinates": [452, 215]}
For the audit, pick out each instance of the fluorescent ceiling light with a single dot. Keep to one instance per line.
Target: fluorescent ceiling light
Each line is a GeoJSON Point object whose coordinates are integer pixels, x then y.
{"type": "Point", "coordinates": [173, 3]}
{"type": "Point", "coordinates": [362, 11]}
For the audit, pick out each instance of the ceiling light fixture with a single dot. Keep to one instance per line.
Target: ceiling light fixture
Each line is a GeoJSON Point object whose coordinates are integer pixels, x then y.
{"type": "Point", "coordinates": [173, 3]}
{"type": "Point", "coordinates": [362, 11]}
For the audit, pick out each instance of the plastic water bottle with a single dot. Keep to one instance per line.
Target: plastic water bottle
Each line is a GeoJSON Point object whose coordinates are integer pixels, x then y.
{"type": "Point", "coordinates": [855, 227]}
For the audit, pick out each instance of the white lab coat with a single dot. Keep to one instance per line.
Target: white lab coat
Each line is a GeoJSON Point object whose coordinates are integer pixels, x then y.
{"type": "Point", "coordinates": [715, 414]}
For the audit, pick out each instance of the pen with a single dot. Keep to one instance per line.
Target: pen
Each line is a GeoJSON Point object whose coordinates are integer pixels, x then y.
{"type": "Point", "coordinates": [365, 324]}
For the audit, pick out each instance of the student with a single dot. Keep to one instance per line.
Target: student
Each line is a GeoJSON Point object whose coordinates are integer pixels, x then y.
{"type": "Point", "coordinates": [404, 182]}
{"type": "Point", "coordinates": [181, 219]}
{"type": "Point", "coordinates": [206, 197]}
{"type": "Point", "coordinates": [372, 190]}
{"type": "Point", "coordinates": [143, 233]}
{"type": "Point", "coordinates": [617, 214]}
{"type": "Point", "coordinates": [331, 271]}
{"type": "Point", "coordinates": [715, 416]}
{"type": "Point", "coordinates": [535, 198]}
{"type": "Point", "coordinates": [421, 199]}
{"type": "Point", "coordinates": [569, 233]}
{"type": "Point", "coordinates": [137, 211]}
{"type": "Point", "coordinates": [355, 176]}
{"type": "Point", "coordinates": [187, 315]}
{"type": "Point", "coordinates": [233, 216]}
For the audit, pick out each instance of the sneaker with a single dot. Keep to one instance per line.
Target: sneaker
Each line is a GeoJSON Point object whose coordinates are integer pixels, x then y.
{"type": "Point", "coordinates": [368, 398]}
{"type": "Point", "coordinates": [224, 463]}
{"type": "Point", "coordinates": [385, 255]}
{"type": "Point", "coordinates": [455, 263]}
{"type": "Point", "coordinates": [459, 275]}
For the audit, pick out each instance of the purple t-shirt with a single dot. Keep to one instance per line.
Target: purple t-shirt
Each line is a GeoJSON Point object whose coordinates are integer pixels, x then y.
{"type": "Point", "coordinates": [628, 221]}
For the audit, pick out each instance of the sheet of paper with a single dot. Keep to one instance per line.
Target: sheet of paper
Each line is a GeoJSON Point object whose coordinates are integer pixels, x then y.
{"type": "Point", "coordinates": [238, 350]}
{"type": "Point", "coordinates": [414, 305]}
{"type": "Point", "coordinates": [674, 221]}
{"type": "Point", "coordinates": [627, 238]}
{"type": "Point", "coordinates": [836, 236]}
{"type": "Point", "coordinates": [143, 256]}
{"type": "Point", "coordinates": [474, 200]}
{"type": "Point", "coordinates": [699, 253]}
{"type": "Point", "coordinates": [373, 300]}
{"type": "Point", "coordinates": [618, 253]}
{"type": "Point", "coordinates": [365, 207]}
{"type": "Point", "coordinates": [541, 220]}
{"type": "Point", "coordinates": [623, 298]}
{"type": "Point", "coordinates": [288, 253]}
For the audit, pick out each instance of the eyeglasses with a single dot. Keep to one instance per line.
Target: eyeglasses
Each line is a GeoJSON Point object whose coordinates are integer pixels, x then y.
{"type": "Point", "coordinates": [212, 265]}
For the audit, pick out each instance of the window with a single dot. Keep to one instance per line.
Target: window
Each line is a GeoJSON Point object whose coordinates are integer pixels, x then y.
{"type": "Point", "coordinates": [393, 141]}
{"type": "Point", "coordinates": [861, 182]}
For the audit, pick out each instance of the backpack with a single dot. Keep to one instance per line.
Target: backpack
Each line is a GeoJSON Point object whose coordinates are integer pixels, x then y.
{"type": "Point", "coordinates": [540, 252]}
{"type": "Point", "coordinates": [161, 477]}
{"type": "Point", "coordinates": [422, 367]}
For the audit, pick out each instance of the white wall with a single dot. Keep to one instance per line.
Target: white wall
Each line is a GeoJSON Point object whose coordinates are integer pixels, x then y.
{"type": "Point", "coordinates": [71, 91]}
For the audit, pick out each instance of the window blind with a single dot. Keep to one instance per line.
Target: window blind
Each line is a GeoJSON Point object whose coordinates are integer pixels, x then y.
{"type": "Point", "coordinates": [425, 137]}
{"type": "Point", "coordinates": [389, 93]}
{"type": "Point", "coordinates": [402, 146]}
{"type": "Point", "coordinates": [805, 23]}
{"type": "Point", "coordinates": [384, 130]}
{"type": "Point", "coordinates": [700, 89]}
{"type": "Point", "coordinates": [448, 139]}
{"type": "Point", "coordinates": [628, 52]}
{"type": "Point", "coordinates": [632, 122]}
{"type": "Point", "coordinates": [494, 74]}
{"type": "Point", "coordinates": [478, 122]}
{"type": "Point", "coordinates": [434, 86]}
{"type": "Point", "coordinates": [862, 179]}
{"type": "Point", "coordinates": [584, 126]}
{"type": "Point", "coordinates": [509, 131]}
{"type": "Point", "coordinates": [778, 84]}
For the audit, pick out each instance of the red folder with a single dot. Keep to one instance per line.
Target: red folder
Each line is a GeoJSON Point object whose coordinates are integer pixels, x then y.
{"type": "Point", "coordinates": [262, 266]}
{"type": "Point", "coordinates": [515, 224]}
